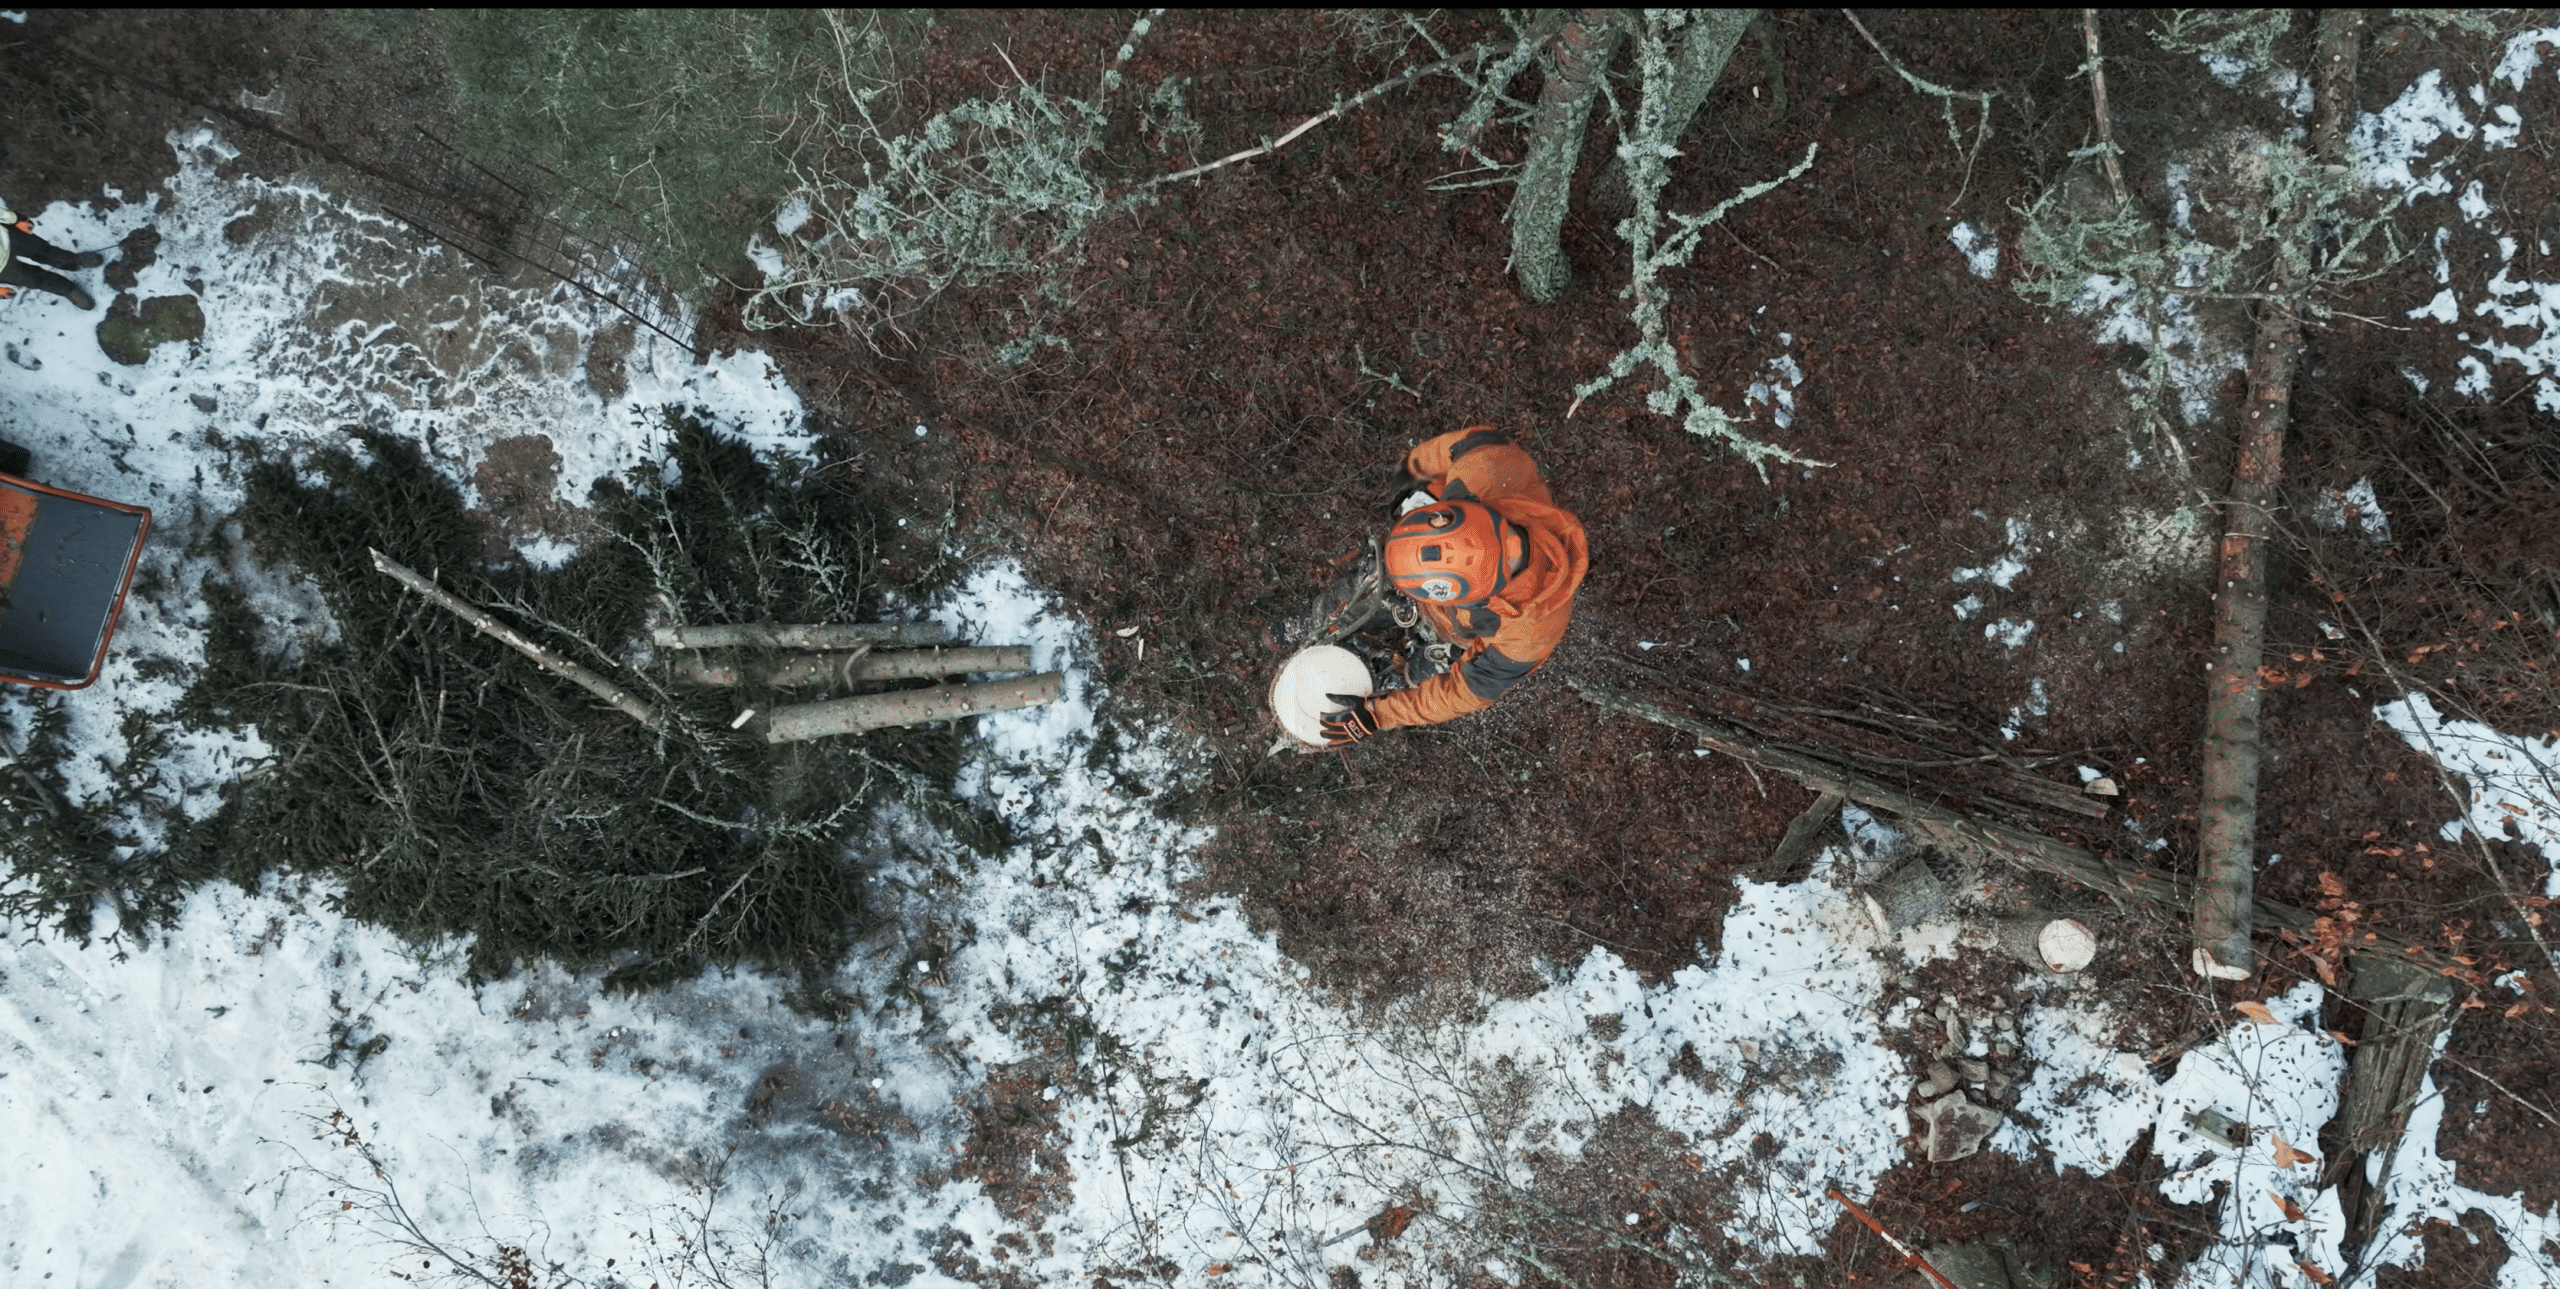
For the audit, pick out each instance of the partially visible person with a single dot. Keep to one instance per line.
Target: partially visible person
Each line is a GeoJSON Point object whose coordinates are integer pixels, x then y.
{"type": "Point", "coordinates": [21, 251]}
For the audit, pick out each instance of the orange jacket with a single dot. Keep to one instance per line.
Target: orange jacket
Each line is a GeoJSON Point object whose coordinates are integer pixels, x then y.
{"type": "Point", "coordinates": [1509, 636]}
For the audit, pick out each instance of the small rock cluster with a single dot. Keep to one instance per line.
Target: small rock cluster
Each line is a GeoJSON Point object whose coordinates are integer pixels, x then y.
{"type": "Point", "coordinates": [1976, 1069]}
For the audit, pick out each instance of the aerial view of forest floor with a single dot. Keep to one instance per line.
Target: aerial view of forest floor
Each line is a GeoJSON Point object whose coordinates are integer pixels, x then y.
{"type": "Point", "coordinates": [2080, 471]}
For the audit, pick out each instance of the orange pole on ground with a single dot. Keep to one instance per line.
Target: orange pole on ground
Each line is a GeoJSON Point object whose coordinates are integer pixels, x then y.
{"type": "Point", "coordinates": [1909, 1258]}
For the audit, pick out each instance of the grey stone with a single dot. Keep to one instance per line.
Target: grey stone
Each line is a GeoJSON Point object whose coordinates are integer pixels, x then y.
{"type": "Point", "coordinates": [1956, 1127]}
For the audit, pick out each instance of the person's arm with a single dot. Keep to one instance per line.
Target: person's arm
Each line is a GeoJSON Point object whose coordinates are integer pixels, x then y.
{"type": "Point", "coordinates": [1475, 683]}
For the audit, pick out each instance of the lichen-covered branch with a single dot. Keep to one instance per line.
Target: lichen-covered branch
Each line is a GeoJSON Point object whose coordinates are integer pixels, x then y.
{"type": "Point", "coordinates": [1658, 240]}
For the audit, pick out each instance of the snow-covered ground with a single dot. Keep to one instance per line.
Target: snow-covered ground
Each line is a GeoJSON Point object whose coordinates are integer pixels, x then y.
{"type": "Point", "coordinates": [2420, 144]}
{"type": "Point", "coordinates": [212, 1108]}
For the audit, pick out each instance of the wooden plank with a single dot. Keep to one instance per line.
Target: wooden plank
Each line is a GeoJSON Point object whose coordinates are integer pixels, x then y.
{"type": "Point", "coordinates": [1804, 832]}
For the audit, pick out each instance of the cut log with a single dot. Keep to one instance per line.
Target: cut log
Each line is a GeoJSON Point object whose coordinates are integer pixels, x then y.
{"type": "Point", "coordinates": [2053, 945]}
{"type": "Point", "coordinates": [2227, 810]}
{"type": "Point", "coordinates": [908, 707]}
{"type": "Point", "coordinates": [624, 700]}
{"type": "Point", "coordinates": [1907, 896]}
{"type": "Point", "coordinates": [845, 635]}
{"type": "Point", "coordinates": [2333, 77]}
{"type": "Point", "coordinates": [1805, 833]}
{"type": "Point", "coordinates": [814, 670]}
{"type": "Point", "coordinates": [2227, 819]}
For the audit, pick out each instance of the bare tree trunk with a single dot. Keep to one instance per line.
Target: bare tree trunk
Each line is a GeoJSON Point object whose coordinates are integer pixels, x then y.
{"type": "Point", "coordinates": [2106, 119]}
{"type": "Point", "coordinates": [1575, 63]}
{"type": "Point", "coordinates": [760, 635]}
{"type": "Point", "coordinates": [813, 670]}
{"type": "Point", "coordinates": [908, 707]}
{"type": "Point", "coordinates": [1713, 36]}
{"type": "Point", "coordinates": [2333, 80]}
{"type": "Point", "coordinates": [2227, 819]}
{"type": "Point", "coordinates": [628, 703]}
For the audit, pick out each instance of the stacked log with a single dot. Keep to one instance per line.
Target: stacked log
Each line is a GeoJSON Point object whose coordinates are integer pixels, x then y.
{"type": "Point", "coordinates": [822, 656]}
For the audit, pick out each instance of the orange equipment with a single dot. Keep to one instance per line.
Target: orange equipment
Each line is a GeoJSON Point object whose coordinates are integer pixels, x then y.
{"type": "Point", "coordinates": [66, 561]}
{"type": "Point", "coordinates": [1512, 572]}
{"type": "Point", "coordinates": [1455, 552]}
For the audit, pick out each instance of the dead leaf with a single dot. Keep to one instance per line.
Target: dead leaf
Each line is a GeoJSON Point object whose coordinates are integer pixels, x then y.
{"type": "Point", "coordinates": [1219, 1268]}
{"type": "Point", "coordinates": [2341, 1036]}
{"type": "Point", "coordinates": [2292, 1211]}
{"type": "Point", "coordinates": [2332, 884]}
{"type": "Point", "coordinates": [2101, 788]}
{"type": "Point", "coordinates": [2255, 1011]}
{"type": "Point", "coordinates": [1390, 1224]}
{"type": "Point", "coordinates": [2518, 1009]}
{"type": "Point", "coordinates": [2317, 1275]}
{"type": "Point", "coordinates": [2287, 1156]}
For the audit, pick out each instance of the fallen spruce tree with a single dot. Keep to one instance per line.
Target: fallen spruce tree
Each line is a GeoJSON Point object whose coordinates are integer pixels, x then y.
{"type": "Point", "coordinates": [457, 785]}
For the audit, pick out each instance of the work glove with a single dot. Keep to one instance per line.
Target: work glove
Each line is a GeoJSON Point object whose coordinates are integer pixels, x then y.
{"type": "Point", "coordinates": [1356, 721]}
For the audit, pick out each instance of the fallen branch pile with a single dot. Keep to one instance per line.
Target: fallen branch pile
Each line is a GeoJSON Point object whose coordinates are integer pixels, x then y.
{"type": "Point", "coordinates": [2137, 890]}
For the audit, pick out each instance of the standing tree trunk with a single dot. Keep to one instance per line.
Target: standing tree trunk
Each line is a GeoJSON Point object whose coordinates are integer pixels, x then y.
{"type": "Point", "coordinates": [1713, 36]}
{"type": "Point", "coordinates": [1575, 63]}
{"type": "Point", "coordinates": [2227, 820]}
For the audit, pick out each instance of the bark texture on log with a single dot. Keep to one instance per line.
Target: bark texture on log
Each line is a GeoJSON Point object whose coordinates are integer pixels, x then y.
{"type": "Point", "coordinates": [1932, 823]}
{"type": "Point", "coordinates": [2048, 942]}
{"type": "Point", "coordinates": [1575, 63]}
{"type": "Point", "coordinates": [1712, 37]}
{"type": "Point", "coordinates": [815, 670]}
{"type": "Point", "coordinates": [2333, 79]}
{"type": "Point", "coordinates": [1906, 896]}
{"type": "Point", "coordinates": [2407, 1008]}
{"type": "Point", "coordinates": [1805, 833]}
{"type": "Point", "coordinates": [1707, 44]}
{"type": "Point", "coordinates": [2227, 815]}
{"type": "Point", "coordinates": [846, 635]}
{"type": "Point", "coordinates": [804, 721]}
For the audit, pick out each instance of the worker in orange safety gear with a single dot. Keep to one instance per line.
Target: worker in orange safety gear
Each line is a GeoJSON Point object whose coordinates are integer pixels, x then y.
{"type": "Point", "coordinates": [1482, 561]}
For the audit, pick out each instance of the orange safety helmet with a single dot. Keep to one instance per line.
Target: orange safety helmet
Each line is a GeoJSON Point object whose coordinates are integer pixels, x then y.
{"type": "Point", "coordinates": [1453, 552]}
